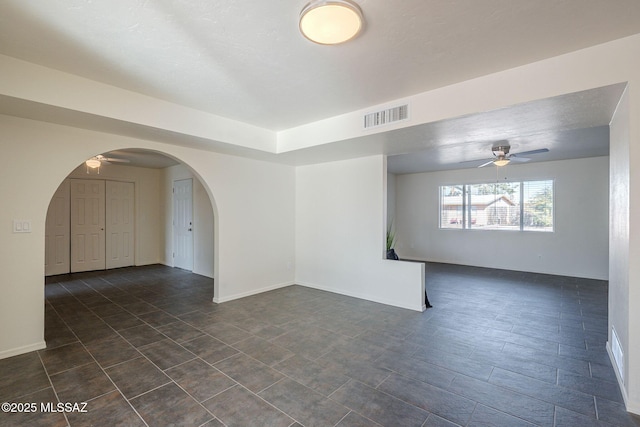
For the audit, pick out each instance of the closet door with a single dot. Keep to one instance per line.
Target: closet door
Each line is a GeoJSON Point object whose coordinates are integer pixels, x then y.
{"type": "Point", "coordinates": [56, 239]}
{"type": "Point", "coordinates": [87, 225]}
{"type": "Point", "coordinates": [120, 225]}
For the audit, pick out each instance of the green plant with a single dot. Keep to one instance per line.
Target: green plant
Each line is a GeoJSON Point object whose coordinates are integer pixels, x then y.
{"type": "Point", "coordinates": [391, 237]}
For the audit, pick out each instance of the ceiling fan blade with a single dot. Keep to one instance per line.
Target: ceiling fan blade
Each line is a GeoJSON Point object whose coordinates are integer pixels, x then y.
{"type": "Point", "coordinates": [526, 153]}
{"type": "Point", "coordinates": [490, 162]}
{"type": "Point", "coordinates": [475, 161]}
{"type": "Point", "coordinates": [110, 159]}
{"type": "Point", "coordinates": [519, 159]}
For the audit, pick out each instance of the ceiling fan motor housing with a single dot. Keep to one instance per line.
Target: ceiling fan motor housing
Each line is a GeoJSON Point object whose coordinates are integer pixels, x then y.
{"type": "Point", "coordinates": [500, 150]}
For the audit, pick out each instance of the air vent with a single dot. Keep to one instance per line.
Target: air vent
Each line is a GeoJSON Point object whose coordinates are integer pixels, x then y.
{"type": "Point", "coordinates": [618, 355]}
{"type": "Point", "coordinates": [384, 117]}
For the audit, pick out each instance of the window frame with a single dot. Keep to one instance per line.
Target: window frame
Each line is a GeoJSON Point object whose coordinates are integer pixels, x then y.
{"type": "Point", "coordinates": [466, 206]}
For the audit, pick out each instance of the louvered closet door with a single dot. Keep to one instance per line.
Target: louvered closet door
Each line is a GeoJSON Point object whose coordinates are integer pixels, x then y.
{"type": "Point", "coordinates": [87, 225]}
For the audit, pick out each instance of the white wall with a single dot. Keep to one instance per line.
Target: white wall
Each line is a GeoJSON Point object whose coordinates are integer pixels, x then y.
{"type": "Point", "coordinates": [340, 234]}
{"type": "Point", "coordinates": [254, 208]}
{"type": "Point", "coordinates": [578, 246]}
{"type": "Point", "coordinates": [630, 267]}
{"type": "Point", "coordinates": [253, 202]}
{"type": "Point", "coordinates": [619, 314]}
{"type": "Point", "coordinates": [203, 221]}
{"type": "Point", "coordinates": [49, 87]}
{"type": "Point", "coordinates": [391, 199]}
{"type": "Point", "coordinates": [149, 230]}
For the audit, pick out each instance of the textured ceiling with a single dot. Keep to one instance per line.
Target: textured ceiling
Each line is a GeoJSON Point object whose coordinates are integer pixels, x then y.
{"type": "Point", "coordinates": [570, 126]}
{"type": "Point", "coordinates": [246, 60]}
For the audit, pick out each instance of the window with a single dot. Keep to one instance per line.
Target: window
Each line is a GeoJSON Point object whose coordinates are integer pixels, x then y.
{"type": "Point", "coordinates": [451, 211]}
{"type": "Point", "coordinates": [524, 205]}
{"type": "Point", "coordinates": [537, 206]}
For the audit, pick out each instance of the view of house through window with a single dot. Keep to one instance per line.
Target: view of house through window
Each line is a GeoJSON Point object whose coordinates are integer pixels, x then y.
{"type": "Point", "coordinates": [524, 205]}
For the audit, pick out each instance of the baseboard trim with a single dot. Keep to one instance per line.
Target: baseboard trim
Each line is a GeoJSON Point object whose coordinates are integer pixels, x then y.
{"type": "Point", "coordinates": [417, 307]}
{"type": "Point", "coordinates": [22, 350]}
{"type": "Point", "coordinates": [632, 407]}
{"type": "Point", "coordinates": [252, 292]}
{"type": "Point", "coordinates": [499, 267]}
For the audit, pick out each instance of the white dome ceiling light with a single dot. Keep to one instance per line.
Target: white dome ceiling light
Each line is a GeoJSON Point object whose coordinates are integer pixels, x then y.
{"type": "Point", "coordinates": [331, 22]}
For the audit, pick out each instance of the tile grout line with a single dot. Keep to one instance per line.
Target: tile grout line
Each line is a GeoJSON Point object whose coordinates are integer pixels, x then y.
{"type": "Point", "coordinates": [557, 376]}
{"type": "Point", "coordinates": [55, 393]}
{"type": "Point", "coordinates": [103, 370]}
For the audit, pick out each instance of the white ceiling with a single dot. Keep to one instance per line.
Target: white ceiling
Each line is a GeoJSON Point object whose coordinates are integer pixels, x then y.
{"type": "Point", "coordinates": [570, 126]}
{"type": "Point", "coordinates": [246, 60]}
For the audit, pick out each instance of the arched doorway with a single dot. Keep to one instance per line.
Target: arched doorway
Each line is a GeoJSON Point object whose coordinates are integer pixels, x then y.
{"type": "Point", "coordinates": [151, 177]}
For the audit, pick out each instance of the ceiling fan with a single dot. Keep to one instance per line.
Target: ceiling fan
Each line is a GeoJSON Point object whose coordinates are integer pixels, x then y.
{"type": "Point", "coordinates": [96, 161]}
{"type": "Point", "coordinates": [502, 157]}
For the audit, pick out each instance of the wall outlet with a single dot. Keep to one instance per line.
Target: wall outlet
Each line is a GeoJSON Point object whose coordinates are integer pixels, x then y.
{"type": "Point", "coordinates": [22, 226]}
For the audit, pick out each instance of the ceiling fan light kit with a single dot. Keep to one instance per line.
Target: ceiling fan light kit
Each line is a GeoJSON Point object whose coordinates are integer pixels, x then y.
{"type": "Point", "coordinates": [501, 162]}
{"type": "Point", "coordinates": [331, 22]}
{"type": "Point", "coordinates": [93, 163]}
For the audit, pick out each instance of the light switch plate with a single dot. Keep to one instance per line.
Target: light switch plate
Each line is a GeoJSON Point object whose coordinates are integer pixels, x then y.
{"type": "Point", "coordinates": [21, 226]}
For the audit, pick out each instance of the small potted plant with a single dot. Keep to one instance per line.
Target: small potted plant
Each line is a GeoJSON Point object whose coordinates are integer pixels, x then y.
{"type": "Point", "coordinates": [391, 241]}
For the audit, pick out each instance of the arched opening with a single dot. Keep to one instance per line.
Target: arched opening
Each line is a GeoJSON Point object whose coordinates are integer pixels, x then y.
{"type": "Point", "coordinates": [121, 213]}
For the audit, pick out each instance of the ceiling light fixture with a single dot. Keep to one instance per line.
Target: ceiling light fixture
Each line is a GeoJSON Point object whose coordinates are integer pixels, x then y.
{"type": "Point", "coordinates": [501, 162]}
{"type": "Point", "coordinates": [93, 163]}
{"type": "Point", "coordinates": [331, 22]}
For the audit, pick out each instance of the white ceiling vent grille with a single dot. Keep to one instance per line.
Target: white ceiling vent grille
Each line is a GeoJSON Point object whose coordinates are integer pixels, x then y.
{"type": "Point", "coordinates": [384, 117]}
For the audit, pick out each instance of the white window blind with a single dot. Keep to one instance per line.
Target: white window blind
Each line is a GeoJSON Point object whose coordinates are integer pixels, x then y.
{"type": "Point", "coordinates": [520, 205]}
{"type": "Point", "coordinates": [537, 205]}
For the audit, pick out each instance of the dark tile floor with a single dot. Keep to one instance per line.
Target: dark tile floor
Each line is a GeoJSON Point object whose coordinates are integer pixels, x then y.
{"type": "Point", "coordinates": [145, 346]}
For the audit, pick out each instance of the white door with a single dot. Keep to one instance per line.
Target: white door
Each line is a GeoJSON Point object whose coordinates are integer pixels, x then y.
{"type": "Point", "coordinates": [183, 224]}
{"type": "Point", "coordinates": [119, 224]}
{"type": "Point", "coordinates": [56, 239]}
{"type": "Point", "coordinates": [87, 225]}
